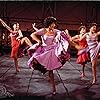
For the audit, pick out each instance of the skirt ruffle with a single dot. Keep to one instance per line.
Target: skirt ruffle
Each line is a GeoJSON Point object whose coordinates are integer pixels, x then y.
{"type": "Point", "coordinates": [83, 58]}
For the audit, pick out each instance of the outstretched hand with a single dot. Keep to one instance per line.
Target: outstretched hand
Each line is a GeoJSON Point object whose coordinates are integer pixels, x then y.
{"type": "Point", "coordinates": [66, 30]}
{"type": "Point", "coordinates": [67, 33]}
{"type": "Point", "coordinates": [33, 25]}
{"type": "Point", "coordinates": [2, 22]}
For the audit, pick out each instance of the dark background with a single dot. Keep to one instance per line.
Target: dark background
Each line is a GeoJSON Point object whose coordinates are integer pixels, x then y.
{"type": "Point", "coordinates": [69, 14]}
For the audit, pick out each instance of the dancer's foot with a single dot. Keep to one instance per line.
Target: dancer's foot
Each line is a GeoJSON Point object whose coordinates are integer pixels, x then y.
{"type": "Point", "coordinates": [17, 70]}
{"type": "Point", "coordinates": [94, 81]}
{"type": "Point", "coordinates": [82, 75]}
{"type": "Point", "coordinates": [54, 92]}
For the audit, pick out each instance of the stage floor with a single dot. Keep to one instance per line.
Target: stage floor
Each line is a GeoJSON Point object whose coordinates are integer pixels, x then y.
{"type": "Point", "coordinates": [32, 85]}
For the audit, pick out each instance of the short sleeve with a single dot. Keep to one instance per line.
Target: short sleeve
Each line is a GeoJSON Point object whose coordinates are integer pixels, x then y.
{"type": "Point", "coordinates": [56, 30]}
{"type": "Point", "coordinates": [40, 31]}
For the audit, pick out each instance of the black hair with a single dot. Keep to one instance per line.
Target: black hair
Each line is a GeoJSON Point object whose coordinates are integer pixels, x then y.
{"type": "Point", "coordinates": [11, 25]}
{"type": "Point", "coordinates": [92, 24]}
{"type": "Point", "coordinates": [79, 29]}
{"type": "Point", "coordinates": [48, 21]}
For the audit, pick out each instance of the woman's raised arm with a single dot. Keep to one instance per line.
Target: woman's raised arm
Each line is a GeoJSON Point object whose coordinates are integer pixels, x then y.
{"type": "Point", "coordinates": [33, 25]}
{"type": "Point", "coordinates": [5, 25]}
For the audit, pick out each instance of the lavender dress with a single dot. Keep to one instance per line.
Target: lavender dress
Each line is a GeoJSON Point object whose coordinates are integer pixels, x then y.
{"type": "Point", "coordinates": [93, 46]}
{"type": "Point", "coordinates": [49, 53]}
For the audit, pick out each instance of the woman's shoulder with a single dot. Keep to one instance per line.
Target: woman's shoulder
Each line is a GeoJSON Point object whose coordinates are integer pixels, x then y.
{"type": "Point", "coordinates": [57, 30]}
{"type": "Point", "coordinates": [40, 31]}
{"type": "Point", "coordinates": [87, 33]}
{"type": "Point", "coordinates": [19, 30]}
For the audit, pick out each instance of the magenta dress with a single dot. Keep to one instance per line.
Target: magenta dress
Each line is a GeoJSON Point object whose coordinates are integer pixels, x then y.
{"type": "Point", "coordinates": [51, 53]}
{"type": "Point", "coordinates": [93, 45]}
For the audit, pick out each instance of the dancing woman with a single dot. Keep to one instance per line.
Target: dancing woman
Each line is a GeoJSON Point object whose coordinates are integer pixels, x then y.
{"type": "Point", "coordinates": [94, 47]}
{"type": "Point", "coordinates": [83, 56]}
{"type": "Point", "coordinates": [48, 49]}
{"type": "Point", "coordinates": [17, 40]}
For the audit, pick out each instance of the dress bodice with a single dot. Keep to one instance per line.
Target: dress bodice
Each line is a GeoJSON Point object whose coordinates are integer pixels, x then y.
{"type": "Point", "coordinates": [83, 43]}
{"type": "Point", "coordinates": [92, 41]}
{"type": "Point", "coordinates": [14, 34]}
{"type": "Point", "coordinates": [48, 40]}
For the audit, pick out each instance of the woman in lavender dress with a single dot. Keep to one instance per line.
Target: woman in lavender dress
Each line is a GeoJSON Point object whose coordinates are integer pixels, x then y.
{"type": "Point", "coordinates": [46, 54]}
{"type": "Point", "coordinates": [94, 47]}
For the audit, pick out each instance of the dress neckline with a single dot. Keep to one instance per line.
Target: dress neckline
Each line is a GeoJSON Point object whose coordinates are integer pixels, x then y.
{"type": "Point", "coordinates": [53, 34]}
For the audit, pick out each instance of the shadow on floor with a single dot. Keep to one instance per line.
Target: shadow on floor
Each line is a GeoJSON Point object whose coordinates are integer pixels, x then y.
{"type": "Point", "coordinates": [25, 98]}
{"type": "Point", "coordinates": [83, 94]}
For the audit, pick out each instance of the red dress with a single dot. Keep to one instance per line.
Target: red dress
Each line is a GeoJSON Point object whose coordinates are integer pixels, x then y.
{"type": "Point", "coordinates": [83, 57]}
{"type": "Point", "coordinates": [15, 44]}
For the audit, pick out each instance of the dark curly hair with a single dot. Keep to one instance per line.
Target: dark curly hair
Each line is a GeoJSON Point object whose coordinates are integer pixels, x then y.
{"type": "Point", "coordinates": [48, 21]}
{"type": "Point", "coordinates": [92, 24]}
{"type": "Point", "coordinates": [81, 27]}
{"type": "Point", "coordinates": [11, 25]}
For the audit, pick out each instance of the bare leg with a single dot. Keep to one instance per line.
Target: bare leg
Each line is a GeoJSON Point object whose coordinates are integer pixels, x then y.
{"type": "Point", "coordinates": [51, 75]}
{"type": "Point", "coordinates": [75, 45]}
{"type": "Point", "coordinates": [83, 73]}
{"type": "Point", "coordinates": [16, 64]}
{"type": "Point", "coordinates": [26, 40]}
{"type": "Point", "coordinates": [94, 70]}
